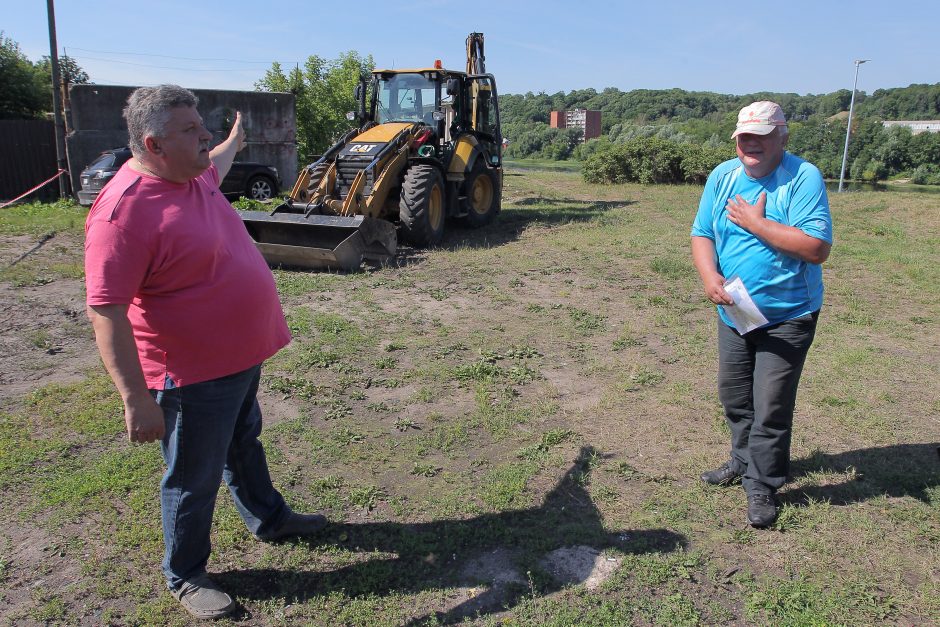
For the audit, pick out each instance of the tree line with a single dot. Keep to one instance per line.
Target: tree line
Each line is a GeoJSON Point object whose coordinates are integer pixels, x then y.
{"type": "Point", "coordinates": [26, 87]}
{"type": "Point", "coordinates": [700, 123]}
{"type": "Point", "coordinates": [690, 129]}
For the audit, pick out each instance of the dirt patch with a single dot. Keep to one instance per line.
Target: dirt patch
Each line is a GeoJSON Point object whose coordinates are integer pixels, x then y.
{"type": "Point", "coordinates": [574, 392]}
{"type": "Point", "coordinates": [495, 568]}
{"type": "Point", "coordinates": [580, 565]}
{"type": "Point", "coordinates": [40, 565]}
{"type": "Point", "coordinates": [44, 333]}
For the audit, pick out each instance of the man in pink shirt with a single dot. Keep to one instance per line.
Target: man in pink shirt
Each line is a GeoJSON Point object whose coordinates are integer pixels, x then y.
{"type": "Point", "coordinates": [185, 310]}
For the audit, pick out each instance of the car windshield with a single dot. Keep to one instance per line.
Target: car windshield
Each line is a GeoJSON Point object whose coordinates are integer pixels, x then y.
{"type": "Point", "coordinates": [406, 98]}
{"type": "Point", "coordinates": [104, 161]}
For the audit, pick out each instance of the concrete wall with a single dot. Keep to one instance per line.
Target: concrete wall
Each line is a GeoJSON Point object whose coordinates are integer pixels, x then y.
{"type": "Point", "coordinates": [270, 125]}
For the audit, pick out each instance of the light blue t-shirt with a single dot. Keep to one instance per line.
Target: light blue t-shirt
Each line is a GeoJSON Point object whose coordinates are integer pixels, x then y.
{"type": "Point", "coordinates": [782, 287]}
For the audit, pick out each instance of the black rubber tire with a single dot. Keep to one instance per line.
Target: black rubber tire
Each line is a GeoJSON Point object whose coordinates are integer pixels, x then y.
{"type": "Point", "coordinates": [260, 187]}
{"type": "Point", "coordinates": [422, 206]}
{"type": "Point", "coordinates": [482, 193]}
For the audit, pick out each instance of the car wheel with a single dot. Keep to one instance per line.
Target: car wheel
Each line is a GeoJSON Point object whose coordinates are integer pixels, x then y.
{"type": "Point", "coordinates": [260, 188]}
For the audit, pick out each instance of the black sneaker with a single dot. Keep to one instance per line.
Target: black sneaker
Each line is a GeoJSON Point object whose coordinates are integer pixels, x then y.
{"type": "Point", "coordinates": [761, 510]}
{"type": "Point", "coordinates": [723, 475]}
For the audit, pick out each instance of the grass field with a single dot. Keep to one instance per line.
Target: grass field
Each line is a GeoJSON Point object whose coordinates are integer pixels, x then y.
{"type": "Point", "coordinates": [507, 430]}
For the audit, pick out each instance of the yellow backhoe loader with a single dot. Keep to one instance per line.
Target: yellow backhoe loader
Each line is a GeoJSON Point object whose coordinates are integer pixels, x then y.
{"type": "Point", "coordinates": [428, 148]}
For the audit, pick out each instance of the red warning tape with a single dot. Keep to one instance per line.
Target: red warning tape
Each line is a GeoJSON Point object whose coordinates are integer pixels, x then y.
{"type": "Point", "coordinates": [24, 195]}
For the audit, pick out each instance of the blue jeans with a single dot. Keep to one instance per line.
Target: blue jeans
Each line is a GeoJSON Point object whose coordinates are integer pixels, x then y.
{"type": "Point", "coordinates": [758, 375]}
{"type": "Point", "coordinates": [212, 433]}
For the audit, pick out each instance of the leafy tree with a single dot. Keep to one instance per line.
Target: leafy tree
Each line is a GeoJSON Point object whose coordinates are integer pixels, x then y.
{"type": "Point", "coordinates": [22, 93]}
{"type": "Point", "coordinates": [704, 129]}
{"type": "Point", "coordinates": [831, 104]}
{"type": "Point", "coordinates": [819, 142]}
{"type": "Point", "coordinates": [915, 102]}
{"type": "Point", "coordinates": [69, 71]}
{"type": "Point", "coordinates": [894, 149]}
{"type": "Point", "coordinates": [925, 148]}
{"type": "Point", "coordinates": [323, 90]}
{"type": "Point", "coordinates": [25, 87]}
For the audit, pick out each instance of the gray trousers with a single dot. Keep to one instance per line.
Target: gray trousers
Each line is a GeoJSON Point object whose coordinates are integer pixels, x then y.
{"type": "Point", "coordinates": [758, 375]}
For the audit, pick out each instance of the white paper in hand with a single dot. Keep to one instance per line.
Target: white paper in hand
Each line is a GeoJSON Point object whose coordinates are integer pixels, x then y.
{"type": "Point", "coordinates": [744, 313]}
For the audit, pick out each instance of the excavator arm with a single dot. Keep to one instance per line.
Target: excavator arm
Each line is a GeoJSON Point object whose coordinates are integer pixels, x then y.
{"type": "Point", "coordinates": [476, 60]}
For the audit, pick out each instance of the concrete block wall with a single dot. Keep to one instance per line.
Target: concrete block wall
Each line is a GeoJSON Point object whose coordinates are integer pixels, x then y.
{"type": "Point", "coordinates": [269, 119]}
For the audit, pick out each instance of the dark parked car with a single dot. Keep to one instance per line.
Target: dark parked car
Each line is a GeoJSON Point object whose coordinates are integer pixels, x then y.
{"type": "Point", "coordinates": [252, 180]}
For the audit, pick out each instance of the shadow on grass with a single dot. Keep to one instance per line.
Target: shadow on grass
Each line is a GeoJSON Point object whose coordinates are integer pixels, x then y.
{"type": "Point", "coordinates": [500, 552]}
{"type": "Point", "coordinates": [511, 223]}
{"type": "Point", "coordinates": [508, 225]}
{"type": "Point", "coordinates": [899, 470]}
{"type": "Point", "coordinates": [525, 213]}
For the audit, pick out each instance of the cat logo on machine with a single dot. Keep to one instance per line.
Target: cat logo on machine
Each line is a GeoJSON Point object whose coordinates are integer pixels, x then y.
{"type": "Point", "coordinates": [361, 148]}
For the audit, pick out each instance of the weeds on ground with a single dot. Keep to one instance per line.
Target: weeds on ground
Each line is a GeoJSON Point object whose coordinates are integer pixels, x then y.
{"type": "Point", "coordinates": [544, 383]}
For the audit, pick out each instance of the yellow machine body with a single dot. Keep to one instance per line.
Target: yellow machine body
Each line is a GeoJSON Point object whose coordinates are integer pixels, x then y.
{"type": "Point", "coordinates": [428, 148]}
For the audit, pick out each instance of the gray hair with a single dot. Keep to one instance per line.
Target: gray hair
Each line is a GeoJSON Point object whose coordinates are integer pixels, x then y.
{"type": "Point", "coordinates": [148, 111]}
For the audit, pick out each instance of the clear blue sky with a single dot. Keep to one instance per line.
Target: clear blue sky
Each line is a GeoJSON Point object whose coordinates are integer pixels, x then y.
{"type": "Point", "coordinates": [728, 47]}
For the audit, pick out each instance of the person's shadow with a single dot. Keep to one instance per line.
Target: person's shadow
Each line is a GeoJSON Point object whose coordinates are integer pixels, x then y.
{"type": "Point", "coordinates": [499, 555]}
{"type": "Point", "coordinates": [899, 470]}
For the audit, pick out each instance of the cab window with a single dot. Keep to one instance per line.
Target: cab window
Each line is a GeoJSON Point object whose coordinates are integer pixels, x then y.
{"type": "Point", "coordinates": [484, 112]}
{"type": "Point", "coordinates": [406, 98]}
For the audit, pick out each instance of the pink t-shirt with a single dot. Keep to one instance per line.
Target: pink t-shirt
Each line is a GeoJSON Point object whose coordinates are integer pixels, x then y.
{"type": "Point", "coordinates": [202, 300]}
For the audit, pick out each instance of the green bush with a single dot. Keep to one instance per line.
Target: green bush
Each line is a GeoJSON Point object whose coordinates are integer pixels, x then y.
{"type": "Point", "coordinates": [867, 169]}
{"type": "Point", "coordinates": [700, 160]}
{"type": "Point", "coordinates": [926, 174]}
{"type": "Point", "coordinates": [875, 171]}
{"type": "Point", "coordinates": [653, 160]}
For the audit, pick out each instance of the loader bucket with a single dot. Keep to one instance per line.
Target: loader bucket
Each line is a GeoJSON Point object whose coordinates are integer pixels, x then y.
{"type": "Point", "coordinates": [318, 241]}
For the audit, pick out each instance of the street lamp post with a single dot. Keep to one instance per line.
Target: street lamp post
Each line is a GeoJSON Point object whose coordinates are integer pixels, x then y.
{"type": "Point", "coordinates": [848, 129]}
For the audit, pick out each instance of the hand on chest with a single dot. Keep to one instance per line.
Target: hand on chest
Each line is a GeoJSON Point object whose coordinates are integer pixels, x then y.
{"type": "Point", "coordinates": [741, 208]}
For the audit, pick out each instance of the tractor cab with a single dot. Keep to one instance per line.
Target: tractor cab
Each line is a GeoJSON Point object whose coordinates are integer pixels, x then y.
{"type": "Point", "coordinates": [449, 103]}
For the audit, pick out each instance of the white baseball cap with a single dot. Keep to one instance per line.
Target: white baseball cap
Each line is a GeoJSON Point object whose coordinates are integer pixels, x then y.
{"type": "Point", "coordinates": [759, 118]}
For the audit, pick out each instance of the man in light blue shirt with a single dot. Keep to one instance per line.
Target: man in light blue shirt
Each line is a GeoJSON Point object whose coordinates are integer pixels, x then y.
{"type": "Point", "coordinates": [763, 218]}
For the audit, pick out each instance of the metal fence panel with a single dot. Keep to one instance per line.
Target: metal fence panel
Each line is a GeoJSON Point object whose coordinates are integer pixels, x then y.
{"type": "Point", "coordinates": [27, 158]}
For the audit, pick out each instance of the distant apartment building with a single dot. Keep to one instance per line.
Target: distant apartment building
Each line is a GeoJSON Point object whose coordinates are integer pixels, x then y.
{"type": "Point", "coordinates": [588, 121]}
{"type": "Point", "coordinates": [916, 126]}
